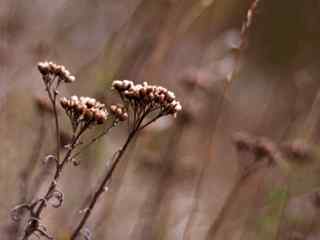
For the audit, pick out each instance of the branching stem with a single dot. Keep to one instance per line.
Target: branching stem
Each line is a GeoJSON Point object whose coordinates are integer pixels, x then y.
{"type": "Point", "coordinates": [33, 224]}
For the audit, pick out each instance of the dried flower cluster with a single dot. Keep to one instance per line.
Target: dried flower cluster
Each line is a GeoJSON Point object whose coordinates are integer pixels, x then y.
{"type": "Point", "coordinates": [298, 149]}
{"type": "Point", "coordinates": [260, 146]}
{"type": "Point", "coordinates": [148, 96]}
{"type": "Point", "coordinates": [48, 69]}
{"type": "Point", "coordinates": [84, 109]}
{"type": "Point", "coordinates": [138, 103]}
{"type": "Point", "coordinates": [119, 112]}
{"type": "Point", "coordinates": [263, 147]}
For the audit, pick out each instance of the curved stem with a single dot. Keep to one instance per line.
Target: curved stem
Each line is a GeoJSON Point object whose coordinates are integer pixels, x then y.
{"type": "Point", "coordinates": [35, 215]}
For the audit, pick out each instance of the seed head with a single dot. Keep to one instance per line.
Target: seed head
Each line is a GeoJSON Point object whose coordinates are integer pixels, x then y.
{"type": "Point", "coordinates": [148, 96]}
{"type": "Point", "coordinates": [50, 70]}
{"type": "Point", "coordinates": [119, 112]}
{"type": "Point", "coordinates": [84, 109]}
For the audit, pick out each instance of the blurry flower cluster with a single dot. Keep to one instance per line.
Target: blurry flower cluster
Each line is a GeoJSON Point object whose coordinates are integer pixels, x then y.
{"type": "Point", "coordinates": [50, 71]}
{"type": "Point", "coordinates": [148, 97]}
{"type": "Point", "coordinates": [262, 148]}
{"type": "Point", "coordinates": [298, 149]}
{"type": "Point", "coordinates": [84, 109]}
{"type": "Point", "coordinates": [119, 112]}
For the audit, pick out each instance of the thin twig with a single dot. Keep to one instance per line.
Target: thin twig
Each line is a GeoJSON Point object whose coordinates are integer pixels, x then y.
{"type": "Point", "coordinates": [93, 140]}
{"type": "Point", "coordinates": [229, 80]}
{"type": "Point", "coordinates": [151, 121]}
{"type": "Point", "coordinates": [56, 119]}
{"type": "Point", "coordinates": [35, 214]}
{"type": "Point", "coordinates": [101, 188]}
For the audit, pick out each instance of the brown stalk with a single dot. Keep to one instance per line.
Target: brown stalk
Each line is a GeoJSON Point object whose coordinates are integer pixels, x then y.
{"type": "Point", "coordinates": [241, 180]}
{"type": "Point", "coordinates": [101, 189]}
{"type": "Point", "coordinates": [102, 186]}
{"type": "Point", "coordinates": [33, 225]}
{"type": "Point", "coordinates": [244, 32]}
{"type": "Point", "coordinates": [53, 100]}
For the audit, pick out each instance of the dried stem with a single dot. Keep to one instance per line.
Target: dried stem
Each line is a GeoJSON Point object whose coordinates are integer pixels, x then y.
{"type": "Point", "coordinates": [53, 100]}
{"type": "Point", "coordinates": [83, 113]}
{"type": "Point", "coordinates": [229, 80]}
{"type": "Point", "coordinates": [33, 223]}
{"type": "Point", "coordinates": [101, 188]}
{"type": "Point", "coordinates": [93, 140]}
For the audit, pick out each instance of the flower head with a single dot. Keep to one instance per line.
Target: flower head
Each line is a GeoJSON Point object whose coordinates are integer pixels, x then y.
{"type": "Point", "coordinates": [50, 70]}
{"type": "Point", "coordinates": [84, 109]}
{"type": "Point", "coordinates": [119, 112]}
{"type": "Point", "coordinates": [148, 96]}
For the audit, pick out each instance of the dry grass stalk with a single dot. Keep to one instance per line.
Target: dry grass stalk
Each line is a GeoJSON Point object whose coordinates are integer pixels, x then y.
{"type": "Point", "coordinates": [244, 33]}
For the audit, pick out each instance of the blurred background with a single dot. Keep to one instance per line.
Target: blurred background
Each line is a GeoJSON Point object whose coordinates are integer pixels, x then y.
{"type": "Point", "coordinates": [183, 178]}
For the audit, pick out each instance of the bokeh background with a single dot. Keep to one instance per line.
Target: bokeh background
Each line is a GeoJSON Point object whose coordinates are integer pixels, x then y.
{"type": "Point", "coordinates": [180, 179]}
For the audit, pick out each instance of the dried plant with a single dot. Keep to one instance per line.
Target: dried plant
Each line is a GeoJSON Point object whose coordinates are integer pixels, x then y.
{"type": "Point", "coordinates": [84, 113]}
{"type": "Point", "coordinates": [129, 51]}
{"type": "Point", "coordinates": [248, 22]}
{"type": "Point", "coordinates": [141, 106]}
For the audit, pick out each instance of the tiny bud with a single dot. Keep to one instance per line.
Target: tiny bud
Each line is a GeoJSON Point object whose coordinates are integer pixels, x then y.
{"type": "Point", "coordinates": [178, 107]}
{"type": "Point", "coordinates": [143, 92]}
{"type": "Point", "coordinates": [79, 108]}
{"type": "Point", "coordinates": [170, 96]}
{"type": "Point", "coordinates": [70, 79]}
{"type": "Point", "coordinates": [88, 115]}
{"type": "Point", "coordinates": [123, 117]}
{"type": "Point", "coordinates": [119, 111]}
{"type": "Point", "coordinates": [91, 102]}
{"type": "Point", "coordinates": [162, 97]}
{"type": "Point", "coordinates": [113, 108]}
{"type": "Point", "coordinates": [49, 158]}
{"type": "Point", "coordinates": [74, 98]}
{"type": "Point", "coordinates": [75, 162]}
{"type": "Point", "coordinates": [117, 85]}
{"type": "Point", "coordinates": [64, 102]}
{"type": "Point", "coordinates": [83, 210]}
{"type": "Point", "coordinates": [43, 68]}
{"type": "Point", "coordinates": [67, 146]}
{"type": "Point", "coordinates": [99, 118]}
{"type": "Point", "coordinates": [151, 96]}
